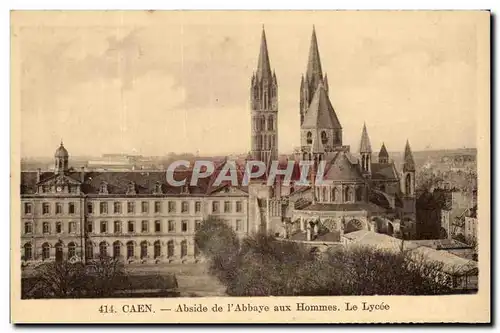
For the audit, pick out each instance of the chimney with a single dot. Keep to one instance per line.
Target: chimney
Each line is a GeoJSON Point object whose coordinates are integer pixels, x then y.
{"type": "Point", "coordinates": [38, 172]}
{"type": "Point", "coordinates": [82, 174]}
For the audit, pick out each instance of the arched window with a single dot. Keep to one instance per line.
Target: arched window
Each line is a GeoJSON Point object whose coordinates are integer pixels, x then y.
{"type": "Point", "coordinates": [117, 249]}
{"type": "Point", "coordinates": [89, 250]}
{"type": "Point", "coordinates": [130, 250]}
{"type": "Point", "coordinates": [337, 137]}
{"type": "Point", "coordinates": [325, 194]}
{"type": "Point", "coordinates": [28, 251]}
{"type": "Point", "coordinates": [347, 194]}
{"type": "Point", "coordinates": [170, 248]}
{"type": "Point", "coordinates": [359, 194]}
{"type": "Point", "coordinates": [103, 249]}
{"type": "Point", "coordinates": [71, 250]}
{"type": "Point", "coordinates": [144, 249]}
{"type": "Point", "coordinates": [324, 138]}
{"type": "Point", "coordinates": [59, 252]}
{"type": "Point", "coordinates": [183, 248]}
{"type": "Point", "coordinates": [309, 138]}
{"type": "Point", "coordinates": [45, 251]}
{"type": "Point", "coordinates": [335, 194]}
{"type": "Point", "coordinates": [408, 184]}
{"type": "Point", "coordinates": [157, 247]}
{"type": "Point", "coordinates": [270, 123]}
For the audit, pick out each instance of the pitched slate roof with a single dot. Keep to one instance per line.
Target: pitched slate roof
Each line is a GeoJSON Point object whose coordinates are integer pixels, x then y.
{"type": "Point", "coordinates": [320, 113]}
{"type": "Point", "coordinates": [341, 168]}
{"type": "Point", "coordinates": [118, 182]}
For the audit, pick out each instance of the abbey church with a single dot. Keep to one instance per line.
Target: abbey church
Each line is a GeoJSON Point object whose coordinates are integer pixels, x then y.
{"type": "Point", "coordinates": [137, 216]}
{"type": "Point", "coordinates": [362, 192]}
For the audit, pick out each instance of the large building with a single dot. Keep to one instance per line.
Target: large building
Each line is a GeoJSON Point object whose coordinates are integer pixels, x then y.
{"type": "Point", "coordinates": [360, 193]}
{"type": "Point", "coordinates": [133, 215]}
{"type": "Point", "coordinates": [139, 217]}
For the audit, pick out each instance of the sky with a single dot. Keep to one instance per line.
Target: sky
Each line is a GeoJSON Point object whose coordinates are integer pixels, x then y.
{"type": "Point", "coordinates": [152, 83]}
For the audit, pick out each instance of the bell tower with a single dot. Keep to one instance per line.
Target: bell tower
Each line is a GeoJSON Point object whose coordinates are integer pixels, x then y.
{"type": "Point", "coordinates": [264, 108]}
{"type": "Point", "coordinates": [61, 159]}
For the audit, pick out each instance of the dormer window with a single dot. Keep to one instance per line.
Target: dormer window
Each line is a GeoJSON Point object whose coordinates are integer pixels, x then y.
{"type": "Point", "coordinates": [131, 188]}
{"type": "Point", "coordinates": [157, 189]}
{"type": "Point", "coordinates": [103, 188]}
{"type": "Point", "coordinates": [309, 138]}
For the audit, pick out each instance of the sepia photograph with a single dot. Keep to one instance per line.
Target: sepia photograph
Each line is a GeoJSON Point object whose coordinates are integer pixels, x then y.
{"type": "Point", "coordinates": [184, 162]}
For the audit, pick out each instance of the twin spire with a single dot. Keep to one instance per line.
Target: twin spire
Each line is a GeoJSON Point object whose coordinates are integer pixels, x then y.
{"type": "Point", "coordinates": [314, 73]}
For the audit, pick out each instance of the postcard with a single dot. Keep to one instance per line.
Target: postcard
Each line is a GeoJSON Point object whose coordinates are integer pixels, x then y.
{"type": "Point", "coordinates": [250, 167]}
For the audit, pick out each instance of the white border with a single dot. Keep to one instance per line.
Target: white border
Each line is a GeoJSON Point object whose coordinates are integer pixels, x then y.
{"type": "Point", "coordinates": [7, 5]}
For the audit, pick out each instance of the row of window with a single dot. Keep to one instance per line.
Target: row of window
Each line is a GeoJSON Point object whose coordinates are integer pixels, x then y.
{"type": "Point", "coordinates": [117, 207]}
{"type": "Point", "coordinates": [46, 228]}
{"type": "Point", "coordinates": [103, 250]}
{"type": "Point", "coordinates": [327, 194]}
{"type": "Point", "coordinates": [59, 209]}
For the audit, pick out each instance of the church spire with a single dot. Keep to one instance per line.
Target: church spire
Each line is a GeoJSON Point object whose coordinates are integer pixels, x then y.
{"type": "Point", "coordinates": [409, 163]}
{"type": "Point", "coordinates": [264, 67]}
{"type": "Point", "coordinates": [365, 146]}
{"type": "Point", "coordinates": [314, 72]}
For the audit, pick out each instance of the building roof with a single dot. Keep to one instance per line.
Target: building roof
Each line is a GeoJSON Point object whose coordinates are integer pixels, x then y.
{"type": "Point", "coordinates": [365, 146]}
{"type": "Point", "coordinates": [384, 171]}
{"type": "Point", "coordinates": [347, 207]}
{"type": "Point", "coordinates": [379, 241]}
{"type": "Point", "coordinates": [264, 66]}
{"type": "Point", "coordinates": [320, 113]}
{"type": "Point", "coordinates": [451, 263]}
{"type": "Point", "coordinates": [442, 244]}
{"type": "Point", "coordinates": [343, 167]}
{"type": "Point", "coordinates": [145, 182]}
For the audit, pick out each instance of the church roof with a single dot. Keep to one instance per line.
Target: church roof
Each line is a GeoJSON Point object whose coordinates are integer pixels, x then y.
{"type": "Point", "coordinates": [383, 171]}
{"type": "Point", "coordinates": [264, 66]}
{"type": "Point", "coordinates": [342, 168]}
{"type": "Point", "coordinates": [409, 163]}
{"type": "Point", "coordinates": [365, 146]}
{"type": "Point", "coordinates": [61, 151]}
{"type": "Point", "coordinates": [320, 113]}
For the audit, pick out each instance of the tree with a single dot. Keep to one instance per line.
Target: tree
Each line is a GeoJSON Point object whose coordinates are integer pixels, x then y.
{"type": "Point", "coordinates": [104, 273]}
{"type": "Point", "coordinates": [57, 280]}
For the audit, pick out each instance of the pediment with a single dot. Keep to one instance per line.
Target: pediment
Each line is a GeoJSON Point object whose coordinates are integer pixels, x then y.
{"type": "Point", "coordinates": [226, 190]}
